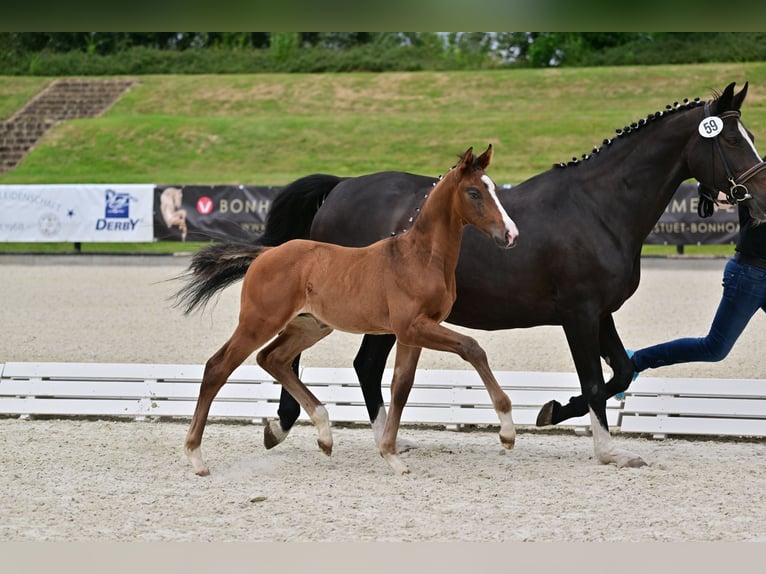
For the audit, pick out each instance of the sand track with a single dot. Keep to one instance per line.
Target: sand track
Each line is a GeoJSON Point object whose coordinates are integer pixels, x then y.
{"type": "Point", "coordinates": [87, 480]}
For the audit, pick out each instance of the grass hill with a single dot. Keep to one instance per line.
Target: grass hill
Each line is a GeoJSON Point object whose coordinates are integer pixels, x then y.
{"type": "Point", "coordinates": [268, 129]}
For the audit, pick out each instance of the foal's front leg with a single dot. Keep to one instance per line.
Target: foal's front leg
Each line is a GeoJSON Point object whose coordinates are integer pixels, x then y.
{"type": "Point", "coordinates": [431, 335]}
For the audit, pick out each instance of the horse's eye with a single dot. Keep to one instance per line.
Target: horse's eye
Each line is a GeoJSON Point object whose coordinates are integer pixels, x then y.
{"type": "Point", "coordinates": [473, 193]}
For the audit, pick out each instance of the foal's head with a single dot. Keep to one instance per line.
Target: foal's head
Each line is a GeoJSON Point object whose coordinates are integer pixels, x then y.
{"type": "Point", "coordinates": [476, 198]}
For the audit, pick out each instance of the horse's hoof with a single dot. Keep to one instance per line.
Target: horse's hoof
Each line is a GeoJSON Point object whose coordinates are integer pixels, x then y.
{"type": "Point", "coordinates": [634, 462]}
{"type": "Point", "coordinates": [396, 463]}
{"type": "Point", "coordinates": [198, 464]}
{"type": "Point", "coordinates": [508, 442]}
{"type": "Point", "coordinates": [325, 447]}
{"type": "Point", "coordinates": [273, 434]}
{"type": "Point", "coordinates": [545, 416]}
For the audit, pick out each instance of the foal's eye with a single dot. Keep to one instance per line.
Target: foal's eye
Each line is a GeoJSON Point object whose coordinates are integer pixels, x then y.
{"type": "Point", "coordinates": [473, 193]}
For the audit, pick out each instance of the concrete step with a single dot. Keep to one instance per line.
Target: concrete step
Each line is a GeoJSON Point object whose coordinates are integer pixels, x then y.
{"type": "Point", "coordinates": [60, 101]}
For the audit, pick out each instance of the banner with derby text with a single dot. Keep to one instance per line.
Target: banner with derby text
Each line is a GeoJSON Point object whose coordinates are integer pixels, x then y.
{"type": "Point", "coordinates": [680, 224]}
{"type": "Point", "coordinates": [76, 213]}
{"type": "Point", "coordinates": [147, 212]}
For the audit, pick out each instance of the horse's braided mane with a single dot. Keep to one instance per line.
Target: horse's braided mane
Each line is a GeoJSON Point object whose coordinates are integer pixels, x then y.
{"type": "Point", "coordinates": [635, 126]}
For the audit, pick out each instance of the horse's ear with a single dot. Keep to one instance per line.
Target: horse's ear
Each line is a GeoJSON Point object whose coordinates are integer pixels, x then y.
{"type": "Point", "coordinates": [485, 158]}
{"type": "Point", "coordinates": [467, 159]}
{"type": "Point", "coordinates": [736, 102]}
{"type": "Point", "coordinates": [724, 101]}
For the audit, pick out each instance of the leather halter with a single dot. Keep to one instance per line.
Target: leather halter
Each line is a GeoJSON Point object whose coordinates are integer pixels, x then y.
{"type": "Point", "coordinates": [737, 191]}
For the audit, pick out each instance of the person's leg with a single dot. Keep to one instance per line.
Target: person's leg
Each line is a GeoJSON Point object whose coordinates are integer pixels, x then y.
{"type": "Point", "coordinates": [744, 291]}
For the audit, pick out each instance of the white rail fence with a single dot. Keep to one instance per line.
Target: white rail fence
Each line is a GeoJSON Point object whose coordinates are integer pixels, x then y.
{"type": "Point", "coordinates": [653, 405]}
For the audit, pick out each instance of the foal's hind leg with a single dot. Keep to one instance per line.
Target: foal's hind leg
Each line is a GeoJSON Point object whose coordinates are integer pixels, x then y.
{"type": "Point", "coordinates": [300, 334]}
{"type": "Point", "coordinates": [404, 375]}
{"type": "Point", "coordinates": [217, 370]}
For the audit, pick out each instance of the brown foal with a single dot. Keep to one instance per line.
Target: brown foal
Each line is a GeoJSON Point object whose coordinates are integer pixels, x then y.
{"type": "Point", "coordinates": [405, 285]}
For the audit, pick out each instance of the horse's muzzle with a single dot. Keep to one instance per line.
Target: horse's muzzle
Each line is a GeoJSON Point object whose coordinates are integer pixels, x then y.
{"type": "Point", "coordinates": [507, 239]}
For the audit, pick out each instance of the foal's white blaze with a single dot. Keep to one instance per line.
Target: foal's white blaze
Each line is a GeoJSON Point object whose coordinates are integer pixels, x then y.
{"type": "Point", "coordinates": [512, 231]}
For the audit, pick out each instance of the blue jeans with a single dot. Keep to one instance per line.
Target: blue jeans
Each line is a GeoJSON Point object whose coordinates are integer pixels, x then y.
{"type": "Point", "coordinates": [744, 292]}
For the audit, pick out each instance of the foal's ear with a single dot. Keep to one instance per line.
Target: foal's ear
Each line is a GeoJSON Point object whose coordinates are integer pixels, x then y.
{"type": "Point", "coordinates": [485, 158]}
{"type": "Point", "coordinates": [467, 160]}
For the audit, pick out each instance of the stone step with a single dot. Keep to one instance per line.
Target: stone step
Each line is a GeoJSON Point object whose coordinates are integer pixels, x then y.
{"type": "Point", "coordinates": [62, 100]}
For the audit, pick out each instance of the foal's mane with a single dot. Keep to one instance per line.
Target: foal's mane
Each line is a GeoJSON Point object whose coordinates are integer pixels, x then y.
{"type": "Point", "coordinates": [634, 127]}
{"type": "Point", "coordinates": [474, 166]}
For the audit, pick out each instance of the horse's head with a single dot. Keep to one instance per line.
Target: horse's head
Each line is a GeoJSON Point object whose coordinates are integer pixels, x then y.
{"type": "Point", "coordinates": [723, 156]}
{"type": "Point", "coordinates": [477, 201]}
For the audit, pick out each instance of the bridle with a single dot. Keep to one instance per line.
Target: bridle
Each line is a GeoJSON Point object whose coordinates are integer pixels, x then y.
{"type": "Point", "coordinates": [737, 191]}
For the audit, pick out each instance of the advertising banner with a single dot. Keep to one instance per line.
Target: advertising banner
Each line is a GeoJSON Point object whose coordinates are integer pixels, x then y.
{"type": "Point", "coordinates": [204, 213]}
{"type": "Point", "coordinates": [76, 213]}
{"type": "Point", "coordinates": [145, 212]}
{"type": "Point", "coordinates": [681, 225]}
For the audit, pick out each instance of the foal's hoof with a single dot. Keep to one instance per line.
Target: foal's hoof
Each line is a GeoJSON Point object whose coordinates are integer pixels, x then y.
{"type": "Point", "coordinates": [396, 463]}
{"type": "Point", "coordinates": [273, 434]}
{"type": "Point", "coordinates": [508, 442]}
{"type": "Point", "coordinates": [545, 416]}
{"type": "Point", "coordinates": [633, 462]}
{"type": "Point", "coordinates": [198, 464]}
{"type": "Point", "coordinates": [325, 447]}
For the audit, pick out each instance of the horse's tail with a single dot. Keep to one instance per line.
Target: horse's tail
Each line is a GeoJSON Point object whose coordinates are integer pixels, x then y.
{"type": "Point", "coordinates": [294, 208]}
{"type": "Point", "coordinates": [211, 270]}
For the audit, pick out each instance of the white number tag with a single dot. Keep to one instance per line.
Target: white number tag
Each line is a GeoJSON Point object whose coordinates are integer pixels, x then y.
{"type": "Point", "coordinates": [710, 127]}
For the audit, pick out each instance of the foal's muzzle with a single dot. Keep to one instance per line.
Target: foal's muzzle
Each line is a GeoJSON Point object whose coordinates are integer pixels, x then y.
{"type": "Point", "coordinates": [507, 238]}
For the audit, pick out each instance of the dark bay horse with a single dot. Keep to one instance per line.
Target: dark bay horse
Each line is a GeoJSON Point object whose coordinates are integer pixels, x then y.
{"type": "Point", "coordinates": [301, 290]}
{"type": "Point", "coordinates": [583, 224]}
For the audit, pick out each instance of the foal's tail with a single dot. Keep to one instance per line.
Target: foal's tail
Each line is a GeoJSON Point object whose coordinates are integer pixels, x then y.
{"type": "Point", "coordinates": [211, 270]}
{"type": "Point", "coordinates": [294, 208]}
{"type": "Point", "coordinates": [214, 268]}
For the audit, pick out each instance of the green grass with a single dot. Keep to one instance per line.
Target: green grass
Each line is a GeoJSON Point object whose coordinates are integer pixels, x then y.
{"type": "Point", "coordinates": [690, 250]}
{"type": "Point", "coordinates": [158, 248]}
{"type": "Point", "coordinates": [15, 92]}
{"type": "Point", "coordinates": [268, 129]}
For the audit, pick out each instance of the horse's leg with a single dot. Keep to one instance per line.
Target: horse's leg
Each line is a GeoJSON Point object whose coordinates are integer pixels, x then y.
{"type": "Point", "coordinates": [217, 370]}
{"type": "Point", "coordinates": [432, 335]}
{"type": "Point", "coordinates": [583, 338]}
{"type": "Point", "coordinates": [288, 412]}
{"type": "Point", "coordinates": [369, 364]}
{"type": "Point", "coordinates": [616, 357]}
{"type": "Point", "coordinates": [404, 375]}
{"type": "Point", "coordinates": [613, 351]}
{"type": "Point", "coordinates": [300, 334]}
{"type": "Point", "coordinates": [277, 357]}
